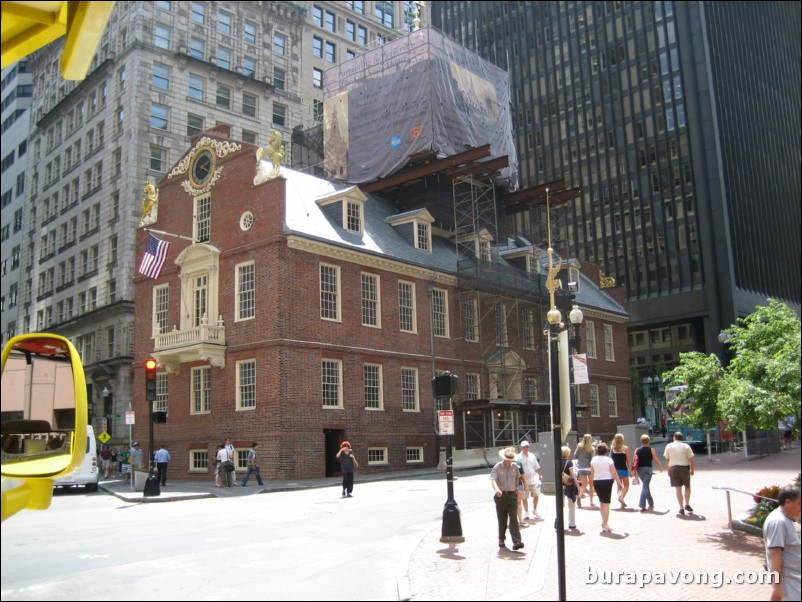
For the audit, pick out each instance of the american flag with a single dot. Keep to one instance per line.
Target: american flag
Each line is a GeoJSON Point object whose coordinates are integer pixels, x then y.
{"type": "Point", "coordinates": [155, 256]}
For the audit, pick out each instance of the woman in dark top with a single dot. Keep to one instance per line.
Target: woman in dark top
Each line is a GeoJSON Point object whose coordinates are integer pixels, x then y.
{"type": "Point", "coordinates": [647, 458]}
{"type": "Point", "coordinates": [347, 465]}
{"type": "Point", "coordinates": [621, 460]}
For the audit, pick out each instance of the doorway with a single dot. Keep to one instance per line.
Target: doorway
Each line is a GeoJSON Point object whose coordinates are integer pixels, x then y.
{"type": "Point", "coordinates": [333, 439]}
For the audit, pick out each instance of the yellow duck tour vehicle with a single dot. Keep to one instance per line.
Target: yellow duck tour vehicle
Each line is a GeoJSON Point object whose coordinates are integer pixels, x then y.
{"type": "Point", "coordinates": [43, 413]}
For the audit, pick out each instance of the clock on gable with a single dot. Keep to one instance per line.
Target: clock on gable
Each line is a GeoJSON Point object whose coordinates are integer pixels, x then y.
{"type": "Point", "coordinates": [202, 167]}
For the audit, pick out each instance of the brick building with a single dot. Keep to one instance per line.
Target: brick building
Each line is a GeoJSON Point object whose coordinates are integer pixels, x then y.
{"type": "Point", "coordinates": [307, 312]}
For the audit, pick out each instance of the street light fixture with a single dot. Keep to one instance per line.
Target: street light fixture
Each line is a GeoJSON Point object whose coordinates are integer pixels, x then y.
{"type": "Point", "coordinates": [575, 316]}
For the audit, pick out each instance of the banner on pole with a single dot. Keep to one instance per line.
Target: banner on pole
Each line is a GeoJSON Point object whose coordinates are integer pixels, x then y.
{"type": "Point", "coordinates": [580, 368]}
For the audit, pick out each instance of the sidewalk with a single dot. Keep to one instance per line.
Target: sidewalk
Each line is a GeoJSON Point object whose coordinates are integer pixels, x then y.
{"type": "Point", "coordinates": [654, 541]}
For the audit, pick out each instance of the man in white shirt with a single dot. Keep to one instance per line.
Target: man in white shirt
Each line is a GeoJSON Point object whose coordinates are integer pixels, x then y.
{"type": "Point", "coordinates": [534, 477]}
{"type": "Point", "coordinates": [680, 465]}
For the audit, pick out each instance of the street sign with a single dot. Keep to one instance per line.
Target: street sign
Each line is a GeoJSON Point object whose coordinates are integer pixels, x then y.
{"type": "Point", "coordinates": [129, 417]}
{"type": "Point", "coordinates": [445, 422]}
{"type": "Point", "coordinates": [104, 437]}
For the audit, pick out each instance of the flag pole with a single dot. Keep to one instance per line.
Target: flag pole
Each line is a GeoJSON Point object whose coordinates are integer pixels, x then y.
{"type": "Point", "coordinates": [163, 233]}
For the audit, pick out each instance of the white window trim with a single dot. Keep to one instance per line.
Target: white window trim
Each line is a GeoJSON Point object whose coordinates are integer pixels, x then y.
{"type": "Point", "coordinates": [614, 398]}
{"type": "Point", "coordinates": [590, 339]}
{"type": "Point", "coordinates": [192, 411]}
{"type": "Point", "coordinates": [238, 292]}
{"type": "Point", "coordinates": [192, 467]}
{"type": "Point", "coordinates": [609, 344]}
{"type": "Point", "coordinates": [446, 308]}
{"type": "Point", "coordinates": [414, 447]}
{"type": "Point", "coordinates": [381, 387]}
{"type": "Point", "coordinates": [377, 281]}
{"type": "Point", "coordinates": [154, 319]}
{"type": "Point", "coordinates": [338, 292]}
{"type": "Point", "coordinates": [417, 389]}
{"type": "Point", "coordinates": [414, 307]}
{"type": "Point", "coordinates": [339, 364]}
{"type": "Point", "coordinates": [594, 389]}
{"type": "Point", "coordinates": [384, 462]}
{"type": "Point", "coordinates": [239, 405]}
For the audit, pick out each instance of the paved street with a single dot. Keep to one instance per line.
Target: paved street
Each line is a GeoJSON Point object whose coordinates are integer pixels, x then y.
{"type": "Point", "coordinates": [300, 540]}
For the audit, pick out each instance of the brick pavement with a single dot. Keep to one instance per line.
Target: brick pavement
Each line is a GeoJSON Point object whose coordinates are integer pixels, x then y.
{"type": "Point", "coordinates": [658, 541]}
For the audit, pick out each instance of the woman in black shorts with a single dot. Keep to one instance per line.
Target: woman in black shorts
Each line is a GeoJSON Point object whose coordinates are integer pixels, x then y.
{"type": "Point", "coordinates": [603, 473]}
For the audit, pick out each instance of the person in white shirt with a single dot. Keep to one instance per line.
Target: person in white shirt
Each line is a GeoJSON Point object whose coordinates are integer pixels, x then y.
{"type": "Point", "coordinates": [534, 478]}
{"type": "Point", "coordinates": [680, 465]}
{"type": "Point", "coordinates": [782, 542]}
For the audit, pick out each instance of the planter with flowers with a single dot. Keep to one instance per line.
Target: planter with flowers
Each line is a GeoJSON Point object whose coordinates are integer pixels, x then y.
{"type": "Point", "coordinates": [765, 501]}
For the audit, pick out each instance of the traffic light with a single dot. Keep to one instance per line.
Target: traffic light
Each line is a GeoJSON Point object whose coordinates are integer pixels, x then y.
{"type": "Point", "coordinates": [445, 384]}
{"type": "Point", "coordinates": [150, 379]}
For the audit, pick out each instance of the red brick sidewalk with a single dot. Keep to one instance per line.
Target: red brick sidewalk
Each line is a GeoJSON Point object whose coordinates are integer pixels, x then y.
{"type": "Point", "coordinates": [659, 541]}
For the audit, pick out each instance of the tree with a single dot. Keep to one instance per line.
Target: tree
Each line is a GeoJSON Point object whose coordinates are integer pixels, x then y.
{"type": "Point", "coordinates": [761, 384]}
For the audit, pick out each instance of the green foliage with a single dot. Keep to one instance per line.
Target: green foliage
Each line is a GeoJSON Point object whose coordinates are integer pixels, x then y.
{"type": "Point", "coordinates": [762, 383]}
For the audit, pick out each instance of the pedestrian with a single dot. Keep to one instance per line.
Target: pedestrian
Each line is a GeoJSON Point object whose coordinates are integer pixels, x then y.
{"type": "Point", "coordinates": [533, 481]}
{"type": "Point", "coordinates": [105, 461]}
{"type": "Point", "coordinates": [113, 463]}
{"type": "Point", "coordinates": [232, 457]}
{"type": "Point", "coordinates": [603, 473]}
{"type": "Point", "coordinates": [583, 454]}
{"type": "Point", "coordinates": [221, 474]}
{"type": "Point", "coordinates": [620, 456]}
{"type": "Point", "coordinates": [522, 492]}
{"type": "Point", "coordinates": [348, 464]}
{"type": "Point", "coordinates": [124, 456]}
{"type": "Point", "coordinates": [162, 457]}
{"type": "Point", "coordinates": [680, 465]}
{"type": "Point", "coordinates": [570, 491]}
{"type": "Point", "coordinates": [783, 552]}
{"type": "Point", "coordinates": [136, 457]}
{"type": "Point", "coordinates": [646, 458]}
{"type": "Point", "coordinates": [504, 479]}
{"type": "Point", "coordinates": [253, 467]}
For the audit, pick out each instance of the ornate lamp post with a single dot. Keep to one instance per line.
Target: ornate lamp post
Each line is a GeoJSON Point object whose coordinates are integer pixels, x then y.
{"type": "Point", "coordinates": [575, 316]}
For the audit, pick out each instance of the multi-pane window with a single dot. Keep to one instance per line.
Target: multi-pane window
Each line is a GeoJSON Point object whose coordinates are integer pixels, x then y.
{"type": "Point", "coordinates": [612, 401]}
{"type": "Point", "coordinates": [530, 389]}
{"type": "Point", "coordinates": [470, 318]}
{"type": "Point", "coordinates": [329, 292]}
{"type": "Point", "coordinates": [370, 300]}
{"type": "Point", "coordinates": [279, 44]}
{"type": "Point", "coordinates": [249, 66]}
{"type": "Point", "coordinates": [406, 306]}
{"type": "Point", "coordinates": [160, 405]}
{"type": "Point", "coordinates": [246, 291]}
{"type": "Point", "coordinates": [200, 299]}
{"type": "Point", "coordinates": [201, 390]}
{"type": "Point", "coordinates": [330, 21]}
{"type": "Point", "coordinates": [353, 216]}
{"type": "Point", "coordinates": [198, 12]}
{"type": "Point", "coordinates": [248, 104]}
{"type": "Point", "coordinates": [197, 48]}
{"type": "Point", "coordinates": [423, 236]}
{"type": "Point", "coordinates": [224, 58]}
{"type": "Point", "coordinates": [317, 16]}
{"type": "Point", "coordinates": [159, 116]}
{"type": "Point", "coordinates": [223, 98]}
{"type": "Point", "coordinates": [246, 384]}
{"type": "Point", "coordinates": [279, 114]}
{"type": "Point", "coordinates": [249, 32]}
{"type": "Point", "coordinates": [331, 52]}
{"type": "Point", "coordinates": [161, 297]}
{"type": "Point", "coordinates": [158, 158]}
{"type": "Point", "coordinates": [609, 351]}
{"type": "Point", "coordinates": [409, 389]}
{"type": "Point", "coordinates": [528, 328]}
{"type": "Point", "coordinates": [593, 398]}
{"type": "Point", "coordinates": [440, 312]}
{"type": "Point", "coordinates": [194, 124]}
{"type": "Point", "coordinates": [203, 219]}
{"type": "Point", "coordinates": [590, 339]}
{"type": "Point", "coordinates": [279, 79]}
{"type": "Point", "coordinates": [199, 460]}
{"type": "Point", "coordinates": [160, 76]}
{"type": "Point", "coordinates": [224, 23]}
{"type": "Point", "coordinates": [196, 88]}
{"type": "Point", "coordinates": [372, 376]}
{"type": "Point", "coordinates": [414, 455]}
{"type": "Point", "coordinates": [331, 383]}
{"type": "Point", "coordinates": [500, 315]}
{"type": "Point", "coordinates": [377, 455]}
{"type": "Point", "coordinates": [317, 47]}
{"type": "Point", "coordinates": [317, 77]}
{"type": "Point", "coordinates": [471, 386]}
{"type": "Point", "coordinates": [358, 6]}
{"type": "Point", "coordinates": [384, 13]}
{"type": "Point", "coordinates": [161, 36]}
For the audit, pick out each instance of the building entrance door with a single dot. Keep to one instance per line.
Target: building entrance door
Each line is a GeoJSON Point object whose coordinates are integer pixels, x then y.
{"type": "Point", "coordinates": [333, 439]}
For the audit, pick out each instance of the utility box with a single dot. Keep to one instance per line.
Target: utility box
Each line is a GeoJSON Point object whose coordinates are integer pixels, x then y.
{"type": "Point", "coordinates": [545, 455]}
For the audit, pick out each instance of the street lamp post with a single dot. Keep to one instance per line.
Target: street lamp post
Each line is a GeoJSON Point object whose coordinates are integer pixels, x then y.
{"type": "Point", "coordinates": [575, 316]}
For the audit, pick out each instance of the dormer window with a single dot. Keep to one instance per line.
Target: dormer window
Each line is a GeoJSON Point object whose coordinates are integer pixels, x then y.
{"type": "Point", "coordinates": [345, 207]}
{"type": "Point", "coordinates": [423, 240]}
{"type": "Point", "coordinates": [416, 227]}
{"type": "Point", "coordinates": [353, 216]}
{"type": "Point", "coordinates": [477, 244]}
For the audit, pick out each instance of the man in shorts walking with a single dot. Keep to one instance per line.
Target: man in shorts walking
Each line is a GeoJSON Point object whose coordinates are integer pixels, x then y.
{"type": "Point", "coordinates": [680, 465]}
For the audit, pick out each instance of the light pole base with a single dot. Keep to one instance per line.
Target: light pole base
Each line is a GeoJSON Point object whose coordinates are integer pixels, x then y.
{"type": "Point", "coordinates": [451, 531]}
{"type": "Point", "coordinates": [152, 488]}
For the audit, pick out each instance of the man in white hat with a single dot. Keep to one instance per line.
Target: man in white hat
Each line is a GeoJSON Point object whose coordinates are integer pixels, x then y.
{"type": "Point", "coordinates": [504, 479]}
{"type": "Point", "coordinates": [534, 478]}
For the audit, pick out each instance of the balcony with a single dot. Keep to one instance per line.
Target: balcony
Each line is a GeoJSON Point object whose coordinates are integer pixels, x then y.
{"type": "Point", "coordinates": [204, 343]}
